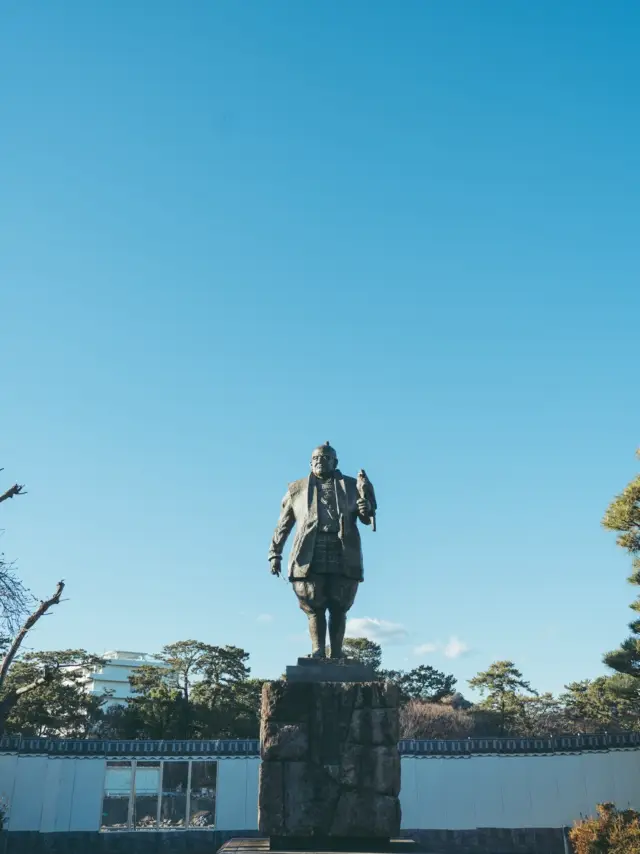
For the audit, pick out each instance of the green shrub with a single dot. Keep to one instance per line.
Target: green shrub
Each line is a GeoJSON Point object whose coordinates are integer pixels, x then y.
{"type": "Point", "coordinates": [612, 831]}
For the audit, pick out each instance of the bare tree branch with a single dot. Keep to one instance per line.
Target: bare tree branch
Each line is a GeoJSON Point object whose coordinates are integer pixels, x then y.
{"type": "Point", "coordinates": [29, 623]}
{"type": "Point", "coordinates": [15, 600]}
{"type": "Point", "coordinates": [16, 489]}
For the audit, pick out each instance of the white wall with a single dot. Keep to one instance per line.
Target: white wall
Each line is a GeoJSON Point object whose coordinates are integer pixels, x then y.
{"type": "Point", "coordinates": [515, 791]}
{"type": "Point", "coordinates": [8, 766]}
{"type": "Point", "coordinates": [54, 794]}
{"type": "Point", "coordinates": [237, 794]}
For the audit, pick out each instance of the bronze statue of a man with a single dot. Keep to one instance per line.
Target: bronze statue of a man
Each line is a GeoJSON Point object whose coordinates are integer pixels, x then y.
{"type": "Point", "coordinates": [325, 566]}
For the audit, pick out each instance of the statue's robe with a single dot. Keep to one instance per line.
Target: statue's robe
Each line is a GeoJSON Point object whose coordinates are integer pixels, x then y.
{"type": "Point", "coordinates": [300, 507]}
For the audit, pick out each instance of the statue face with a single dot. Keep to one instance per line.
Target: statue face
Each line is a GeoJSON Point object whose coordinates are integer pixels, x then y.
{"type": "Point", "coordinates": [323, 464]}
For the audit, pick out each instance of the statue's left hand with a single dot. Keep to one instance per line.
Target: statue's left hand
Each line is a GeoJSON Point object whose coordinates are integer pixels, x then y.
{"type": "Point", "coordinates": [276, 566]}
{"type": "Point", "coordinates": [364, 507]}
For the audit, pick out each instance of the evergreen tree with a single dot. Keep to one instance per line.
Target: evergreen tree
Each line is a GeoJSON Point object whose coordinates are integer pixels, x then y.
{"type": "Point", "coordinates": [608, 703]}
{"type": "Point", "coordinates": [424, 683]}
{"type": "Point", "coordinates": [623, 516]}
{"type": "Point", "coordinates": [202, 691]}
{"type": "Point", "coordinates": [502, 686]}
{"type": "Point", "coordinates": [427, 684]}
{"type": "Point", "coordinates": [55, 704]}
{"type": "Point", "coordinates": [364, 650]}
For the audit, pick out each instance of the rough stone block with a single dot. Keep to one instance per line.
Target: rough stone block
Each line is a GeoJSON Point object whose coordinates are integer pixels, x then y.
{"type": "Point", "coordinates": [374, 768]}
{"type": "Point", "coordinates": [271, 799]}
{"type": "Point", "coordinates": [329, 721]}
{"type": "Point", "coordinates": [286, 703]}
{"type": "Point", "coordinates": [362, 813]}
{"type": "Point", "coordinates": [375, 726]}
{"type": "Point", "coordinates": [281, 742]}
{"type": "Point", "coordinates": [375, 695]}
{"type": "Point", "coordinates": [310, 797]}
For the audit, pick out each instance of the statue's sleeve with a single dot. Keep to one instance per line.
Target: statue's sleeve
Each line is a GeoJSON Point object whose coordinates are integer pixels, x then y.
{"type": "Point", "coordinates": [285, 523]}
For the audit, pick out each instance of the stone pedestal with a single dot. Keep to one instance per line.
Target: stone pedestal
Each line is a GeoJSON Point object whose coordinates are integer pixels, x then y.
{"type": "Point", "coordinates": [330, 670]}
{"type": "Point", "coordinates": [330, 764]}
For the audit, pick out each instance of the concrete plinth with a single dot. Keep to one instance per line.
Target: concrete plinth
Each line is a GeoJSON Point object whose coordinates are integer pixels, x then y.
{"type": "Point", "coordinates": [329, 670]}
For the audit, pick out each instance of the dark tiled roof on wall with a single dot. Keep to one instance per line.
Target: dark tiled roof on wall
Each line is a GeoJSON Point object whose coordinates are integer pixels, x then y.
{"type": "Point", "coordinates": [251, 747]}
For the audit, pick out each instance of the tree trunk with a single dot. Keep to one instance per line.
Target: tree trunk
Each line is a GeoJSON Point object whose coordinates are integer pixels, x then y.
{"type": "Point", "coordinates": [11, 697]}
{"type": "Point", "coordinates": [29, 623]}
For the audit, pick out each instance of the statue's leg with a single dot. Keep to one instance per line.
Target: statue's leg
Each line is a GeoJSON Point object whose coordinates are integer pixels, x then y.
{"type": "Point", "coordinates": [341, 594]}
{"type": "Point", "coordinates": [312, 600]}
{"type": "Point", "coordinates": [337, 627]}
{"type": "Point", "coordinates": [318, 632]}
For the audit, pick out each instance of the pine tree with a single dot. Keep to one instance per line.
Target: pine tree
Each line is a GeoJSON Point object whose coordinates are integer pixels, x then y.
{"type": "Point", "coordinates": [362, 649]}
{"type": "Point", "coordinates": [623, 516]}
{"type": "Point", "coordinates": [502, 686]}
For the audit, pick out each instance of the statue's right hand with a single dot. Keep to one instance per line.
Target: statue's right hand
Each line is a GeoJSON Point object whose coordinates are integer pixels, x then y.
{"type": "Point", "coordinates": [276, 566]}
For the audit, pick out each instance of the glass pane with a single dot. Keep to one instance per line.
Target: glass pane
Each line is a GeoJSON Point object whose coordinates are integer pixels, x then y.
{"type": "Point", "coordinates": [147, 786]}
{"type": "Point", "coordinates": [174, 794]}
{"type": "Point", "coordinates": [173, 810]}
{"type": "Point", "coordinates": [118, 778]}
{"type": "Point", "coordinates": [145, 813]}
{"type": "Point", "coordinates": [175, 776]}
{"type": "Point", "coordinates": [147, 778]}
{"type": "Point", "coordinates": [203, 794]}
{"type": "Point", "coordinates": [117, 789]}
{"type": "Point", "coordinates": [115, 813]}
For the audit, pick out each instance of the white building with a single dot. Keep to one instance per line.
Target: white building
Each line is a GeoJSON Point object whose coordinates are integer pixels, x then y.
{"type": "Point", "coordinates": [114, 675]}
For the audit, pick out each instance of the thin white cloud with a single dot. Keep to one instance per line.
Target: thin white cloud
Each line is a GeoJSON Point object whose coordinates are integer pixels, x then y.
{"type": "Point", "coordinates": [380, 631]}
{"type": "Point", "coordinates": [265, 619]}
{"type": "Point", "coordinates": [455, 648]}
{"type": "Point", "coordinates": [425, 649]}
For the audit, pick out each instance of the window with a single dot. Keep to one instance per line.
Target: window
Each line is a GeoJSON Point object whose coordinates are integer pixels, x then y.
{"type": "Point", "coordinates": [147, 794]}
{"type": "Point", "coordinates": [175, 782]}
{"type": "Point", "coordinates": [117, 796]}
{"type": "Point", "coordinates": [202, 802]}
{"type": "Point", "coordinates": [164, 795]}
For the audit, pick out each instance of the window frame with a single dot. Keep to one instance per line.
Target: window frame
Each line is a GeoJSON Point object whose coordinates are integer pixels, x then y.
{"type": "Point", "coordinates": [115, 763]}
{"type": "Point", "coordinates": [133, 765]}
{"type": "Point", "coordinates": [134, 793]}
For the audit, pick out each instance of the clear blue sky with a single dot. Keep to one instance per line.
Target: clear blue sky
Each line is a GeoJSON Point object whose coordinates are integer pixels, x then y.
{"type": "Point", "coordinates": [232, 231]}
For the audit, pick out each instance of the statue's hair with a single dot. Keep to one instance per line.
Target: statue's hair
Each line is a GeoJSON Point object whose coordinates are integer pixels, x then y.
{"type": "Point", "coordinates": [327, 449]}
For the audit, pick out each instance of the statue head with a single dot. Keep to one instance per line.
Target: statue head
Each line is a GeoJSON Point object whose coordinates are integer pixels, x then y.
{"type": "Point", "coordinates": [324, 461]}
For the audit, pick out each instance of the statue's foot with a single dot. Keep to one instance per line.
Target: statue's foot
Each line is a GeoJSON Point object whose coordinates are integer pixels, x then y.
{"type": "Point", "coordinates": [318, 653]}
{"type": "Point", "coordinates": [337, 656]}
